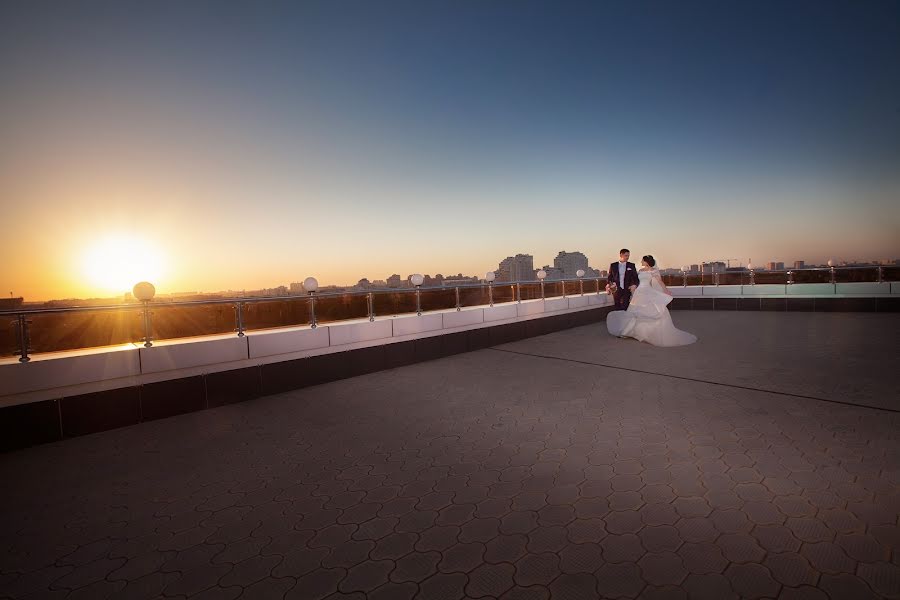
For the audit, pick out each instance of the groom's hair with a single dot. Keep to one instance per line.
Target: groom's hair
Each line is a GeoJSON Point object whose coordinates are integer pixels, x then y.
{"type": "Point", "coordinates": [649, 260]}
{"type": "Point", "coordinates": [624, 250]}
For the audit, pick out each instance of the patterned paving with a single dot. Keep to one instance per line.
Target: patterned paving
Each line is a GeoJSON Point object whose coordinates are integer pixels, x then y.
{"type": "Point", "coordinates": [484, 475]}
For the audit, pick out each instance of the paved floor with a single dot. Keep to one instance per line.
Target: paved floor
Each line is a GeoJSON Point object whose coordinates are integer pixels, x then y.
{"type": "Point", "coordinates": [499, 474]}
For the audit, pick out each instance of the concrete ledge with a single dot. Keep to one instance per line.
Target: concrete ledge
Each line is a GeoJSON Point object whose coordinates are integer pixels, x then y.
{"type": "Point", "coordinates": [463, 318]}
{"type": "Point", "coordinates": [270, 343]}
{"type": "Point", "coordinates": [32, 423]}
{"type": "Point", "coordinates": [868, 289]}
{"type": "Point", "coordinates": [169, 355]}
{"type": "Point", "coordinates": [45, 371]}
{"type": "Point", "coordinates": [501, 312]}
{"type": "Point", "coordinates": [364, 331]}
{"type": "Point", "coordinates": [555, 304]}
{"type": "Point", "coordinates": [810, 289]}
{"type": "Point", "coordinates": [408, 325]}
{"type": "Point", "coordinates": [761, 290]}
{"type": "Point", "coordinates": [721, 290]}
{"type": "Point", "coordinates": [530, 307]}
{"type": "Point", "coordinates": [579, 301]}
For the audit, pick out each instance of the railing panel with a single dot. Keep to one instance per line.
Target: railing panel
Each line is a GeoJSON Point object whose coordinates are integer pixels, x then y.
{"type": "Point", "coordinates": [394, 303]}
{"type": "Point", "coordinates": [811, 276]}
{"type": "Point", "coordinates": [340, 308]}
{"type": "Point", "coordinates": [170, 322]}
{"type": "Point", "coordinates": [53, 332]}
{"type": "Point", "coordinates": [9, 335]}
{"type": "Point", "coordinates": [504, 292]}
{"type": "Point", "coordinates": [276, 313]}
{"type": "Point", "coordinates": [438, 299]}
{"type": "Point", "coordinates": [890, 273]}
{"type": "Point", "coordinates": [530, 291]}
{"type": "Point", "coordinates": [855, 275]}
{"type": "Point", "coordinates": [478, 296]}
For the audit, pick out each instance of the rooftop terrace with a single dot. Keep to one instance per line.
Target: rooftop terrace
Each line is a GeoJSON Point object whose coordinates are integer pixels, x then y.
{"type": "Point", "coordinates": [763, 461]}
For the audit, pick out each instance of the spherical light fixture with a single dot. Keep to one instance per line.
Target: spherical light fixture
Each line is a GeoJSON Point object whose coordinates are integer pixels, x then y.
{"type": "Point", "coordinates": [580, 272]}
{"type": "Point", "coordinates": [416, 279]}
{"type": "Point", "coordinates": [144, 291]}
{"type": "Point", "coordinates": [830, 263]}
{"type": "Point", "coordinates": [542, 274]}
{"type": "Point", "coordinates": [490, 276]}
{"type": "Point", "coordinates": [310, 284]}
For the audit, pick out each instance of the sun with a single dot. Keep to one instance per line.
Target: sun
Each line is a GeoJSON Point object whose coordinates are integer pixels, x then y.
{"type": "Point", "coordinates": [113, 264]}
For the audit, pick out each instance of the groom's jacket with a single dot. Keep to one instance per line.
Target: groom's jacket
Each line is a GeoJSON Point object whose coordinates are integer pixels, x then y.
{"type": "Point", "coordinates": [631, 276]}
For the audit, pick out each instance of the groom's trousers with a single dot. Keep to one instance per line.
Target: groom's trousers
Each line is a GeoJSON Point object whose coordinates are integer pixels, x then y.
{"type": "Point", "coordinates": [621, 299]}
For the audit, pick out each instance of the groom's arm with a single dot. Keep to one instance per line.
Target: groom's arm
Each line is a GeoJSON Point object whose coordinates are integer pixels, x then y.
{"type": "Point", "coordinates": [609, 274]}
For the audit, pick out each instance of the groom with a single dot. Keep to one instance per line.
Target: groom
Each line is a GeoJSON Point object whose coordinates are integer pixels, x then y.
{"type": "Point", "coordinates": [624, 275]}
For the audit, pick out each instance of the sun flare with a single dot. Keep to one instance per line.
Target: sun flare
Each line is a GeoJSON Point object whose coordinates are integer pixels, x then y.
{"type": "Point", "coordinates": [115, 263]}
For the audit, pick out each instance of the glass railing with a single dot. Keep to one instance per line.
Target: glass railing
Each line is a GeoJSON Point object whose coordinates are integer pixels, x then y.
{"type": "Point", "coordinates": [26, 331]}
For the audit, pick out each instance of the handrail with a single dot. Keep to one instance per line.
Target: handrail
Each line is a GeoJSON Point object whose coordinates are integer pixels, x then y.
{"type": "Point", "coordinates": [241, 303]}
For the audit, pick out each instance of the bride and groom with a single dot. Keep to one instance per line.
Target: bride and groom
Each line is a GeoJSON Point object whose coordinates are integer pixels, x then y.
{"type": "Point", "coordinates": [641, 299]}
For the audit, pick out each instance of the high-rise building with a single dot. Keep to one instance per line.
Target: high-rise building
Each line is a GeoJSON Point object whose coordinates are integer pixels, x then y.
{"type": "Point", "coordinates": [516, 268]}
{"type": "Point", "coordinates": [775, 266]}
{"type": "Point", "coordinates": [394, 281]}
{"type": "Point", "coordinates": [296, 288]}
{"type": "Point", "coordinates": [695, 268]}
{"type": "Point", "coordinates": [570, 262]}
{"type": "Point", "coordinates": [799, 264]}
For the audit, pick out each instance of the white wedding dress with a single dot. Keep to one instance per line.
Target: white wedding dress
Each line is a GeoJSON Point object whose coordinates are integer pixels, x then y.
{"type": "Point", "coordinates": [647, 318]}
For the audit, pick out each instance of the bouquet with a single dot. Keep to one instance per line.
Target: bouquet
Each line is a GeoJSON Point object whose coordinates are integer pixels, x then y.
{"type": "Point", "coordinates": [611, 288]}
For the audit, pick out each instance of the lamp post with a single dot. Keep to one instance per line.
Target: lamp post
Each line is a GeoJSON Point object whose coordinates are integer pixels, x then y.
{"type": "Point", "coordinates": [684, 272]}
{"type": "Point", "coordinates": [144, 291]}
{"type": "Point", "coordinates": [831, 268]}
{"type": "Point", "coordinates": [490, 276]}
{"type": "Point", "coordinates": [752, 274]}
{"type": "Point", "coordinates": [417, 281]}
{"type": "Point", "coordinates": [311, 285]}
{"type": "Point", "coordinates": [580, 274]}
{"type": "Point", "coordinates": [542, 274]}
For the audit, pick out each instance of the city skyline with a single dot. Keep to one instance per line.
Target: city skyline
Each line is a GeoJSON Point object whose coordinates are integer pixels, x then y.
{"type": "Point", "coordinates": [216, 146]}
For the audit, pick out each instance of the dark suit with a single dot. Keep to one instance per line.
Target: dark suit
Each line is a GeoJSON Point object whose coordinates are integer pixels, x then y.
{"type": "Point", "coordinates": [623, 295]}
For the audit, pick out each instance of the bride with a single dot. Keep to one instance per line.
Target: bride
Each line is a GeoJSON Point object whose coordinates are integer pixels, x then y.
{"type": "Point", "coordinates": [647, 318]}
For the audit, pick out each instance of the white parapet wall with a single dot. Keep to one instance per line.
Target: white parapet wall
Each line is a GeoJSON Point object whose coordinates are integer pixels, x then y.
{"type": "Point", "coordinates": [47, 376]}
{"type": "Point", "coordinates": [817, 290]}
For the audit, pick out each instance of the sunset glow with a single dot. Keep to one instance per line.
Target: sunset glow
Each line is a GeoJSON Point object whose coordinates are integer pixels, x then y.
{"type": "Point", "coordinates": [113, 264]}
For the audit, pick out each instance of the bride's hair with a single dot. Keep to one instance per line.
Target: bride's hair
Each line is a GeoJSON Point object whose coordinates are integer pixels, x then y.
{"type": "Point", "coordinates": [649, 260]}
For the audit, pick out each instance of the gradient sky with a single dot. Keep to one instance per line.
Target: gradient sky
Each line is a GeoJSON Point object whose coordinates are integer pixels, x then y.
{"type": "Point", "coordinates": [252, 144]}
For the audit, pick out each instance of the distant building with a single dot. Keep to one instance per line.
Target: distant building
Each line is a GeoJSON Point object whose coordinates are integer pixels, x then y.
{"type": "Point", "coordinates": [799, 264]}
{"type": "Point", "coordinates": [394, 281]}
{"type": "Point", "coordinates": [516, 268]}
{"type": "Point", "coordinates": [460, 279]}
{"type": "Point", "coordinates": [296, 288]}
{"type": "Point", "coordinates": [553, 273]}
{"type": "Point", "coordinates": [775, 266]}
{"type": "Point", "coordinates": [363, 284]}
{"type": "Point", "coordinates": [695, 269]}
{"type": "Point", "coordinates": [11, 303]}
{"type": "Point", "coordinates": [570, 262]}
{"type": "Point", "coordinates": [714, 267]}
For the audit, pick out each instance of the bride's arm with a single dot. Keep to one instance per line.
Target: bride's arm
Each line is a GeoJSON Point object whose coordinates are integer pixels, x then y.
{"type": "Point", "coordinates": [659, 281]}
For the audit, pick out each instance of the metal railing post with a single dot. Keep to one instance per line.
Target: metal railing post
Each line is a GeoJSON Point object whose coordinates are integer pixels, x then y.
{"type": "Point", "coordinates": [598, 286]}
{"type": "Point", "coordinates": [880, 274]}
{"type": "Point", "coordinates": [370, 305]}
{"type": "Point", "coordinates": [581, 286]}
{"type": "Point", "coordinates": [542, 289]}
{"type": "Point", "coordinates": [752, 277]}
{"type": "Point", "coordinates": [239, 316]}
{"type": "Point", "coordinates": [790, 275]}
{"type": "Point", "coordinates": [833, 280]}
{"type": "Point", "coordinates": [716, 278]}
{"type": "Point", "coordinates": [684, 279]}
{"type": "Point", "coordinates": [418, 302]}
{"type": "Point", "coordinates": [148, 326]}
{"type": "Point", "coordinates": [562, 284]}
{"type": "Point", "coordinates": [518, 293]}
{"type": "Point", "coordinates": [312, 311]}
{"type": "Point", "coordinates": [458, 308]}
{"type": "Point", "coordinates": [21, 324]}
{"type": "Point", "coordinates": [491, 293]}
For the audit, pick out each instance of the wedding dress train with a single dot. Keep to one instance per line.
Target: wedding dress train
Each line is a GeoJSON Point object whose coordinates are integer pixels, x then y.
{"type": "Point", "coordinates": [647, 318]}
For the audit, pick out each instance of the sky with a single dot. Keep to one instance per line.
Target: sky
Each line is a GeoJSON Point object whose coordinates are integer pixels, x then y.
{"type": "Point", "coordinates": [238, 145]}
